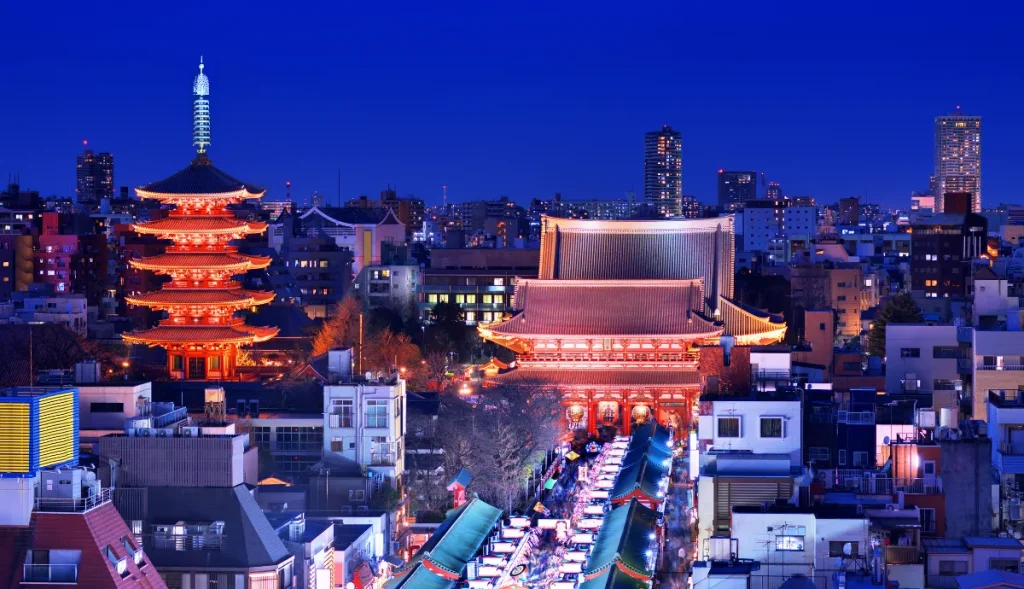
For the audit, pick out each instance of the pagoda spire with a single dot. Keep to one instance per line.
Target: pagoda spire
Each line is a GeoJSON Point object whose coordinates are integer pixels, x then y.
{"type": "Point", "coordinates": [201, 110]}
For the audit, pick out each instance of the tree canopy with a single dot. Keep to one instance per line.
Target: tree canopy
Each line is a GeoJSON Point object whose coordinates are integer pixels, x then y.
{"type": "Point", "coordinates": [899, 309]}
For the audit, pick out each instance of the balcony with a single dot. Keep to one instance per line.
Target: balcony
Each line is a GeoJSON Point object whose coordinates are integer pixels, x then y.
{"type": "Point", "coordinates": [49, 573]}
{"type": "Point", "coordinates": [296, 446]}
{"type": "Point", "coordinates": [67, 505]}
{"type": "Point", "coordinates": [867, 482]}
{"type": "Point", "coordinates": [383, 459]}
{"type": "Point", "coordinates": [902, 555]}
{"type": "Point", "coordinates": [1012, 448]}
{"type": "Point", "coordinates": [965, 335]}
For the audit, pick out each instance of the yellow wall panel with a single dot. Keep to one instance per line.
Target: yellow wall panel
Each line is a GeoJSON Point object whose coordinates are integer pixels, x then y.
{"type": "Point", "coordinates": [56, 429]}
{"type": "Point", "coordinates": [15, 431]}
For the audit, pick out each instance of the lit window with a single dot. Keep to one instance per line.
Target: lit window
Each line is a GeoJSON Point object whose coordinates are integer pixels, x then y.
{"type": "Point", "coordinates": [728, 427]}
{"type": "Point", "coordinates": [789, 543]}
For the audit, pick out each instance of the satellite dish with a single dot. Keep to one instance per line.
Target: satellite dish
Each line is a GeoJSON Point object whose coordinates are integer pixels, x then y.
{"type": "Point", "coordinates": [848, 549]}
{"type": "Point", "coordinates": [885, 440]}
{"type": "Point", "coordinates": [350, 585]}
{"type": "Point", "coordinates": [370, 375]}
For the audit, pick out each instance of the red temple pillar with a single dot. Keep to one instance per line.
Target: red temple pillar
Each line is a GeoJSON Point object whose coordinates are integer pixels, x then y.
{"type": "Point", "coordinates": [591, 414]}
{"type": "Point", "coordinates": [626, 414]}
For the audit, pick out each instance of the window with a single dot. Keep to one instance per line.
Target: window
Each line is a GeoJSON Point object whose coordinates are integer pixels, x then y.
{"type": "Point", "coordinates": [215, 363]}
{"type": "Point", "coordinates": [942, 384]}
{"type": "Point", "coordinates": [821, 326]}
{"type": "Point", "coordinates": [177, 363]}
{"type": "Point", "coordinates": [376, 413]}
{"type": "Point", "coordinates": [927, 520]}
{"type": "Point", "coordinates": [819, 454]}
{"type": "Point", "coordinates": [343, 409]}
{"type": "Point", "coordinates": [261, 435]}
{"type": "Point", "coordinates": [949, 568]}
{"type": "Point", "coordinates": [728, 427]}
{"type": "Point", "coordinates": [337, 445]}
{"type": "Point", "coordinates": [499, 282]}
{"type": "Point", "coordinates": [946, 352]}
{"type": "Point", "coordinates": [839, 548]}
{"type": "Point", "coordinates": [299, 438]}
{"type": "Point", "coordinates": [841, 298]}
{"type": "Point", "coordinates": [106, 407]}
{"type": "Point", "coordinates": [910, 352]}
{"type": "Point", "coordinates": [789, 543]}
{"type": "Point", "coordinates": [771, 427]}
{"type": "Point", "coordinates": [841, 456]}
{"type": "Point", "coordinates": [1010, 565]}
{"type": "Point", "coordinates": [860, 459]}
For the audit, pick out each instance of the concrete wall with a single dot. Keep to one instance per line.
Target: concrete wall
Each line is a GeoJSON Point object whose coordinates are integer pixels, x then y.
{"type": "Point", "coordinates": [750, 414]}
{"type": "Point", "coordinates": [207, 461]}
{"type": "Point", "coordinates": [967, 478]}
{"type": "Point", "coordinates": [130, 397]}
{"type": "Point", "coordinates": [356, 441]}
{"type": "Point", "coordinates": [926, 367]}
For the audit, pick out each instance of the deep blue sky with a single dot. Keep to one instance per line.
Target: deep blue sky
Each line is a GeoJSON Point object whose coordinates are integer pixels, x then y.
{"type": "Point", "coordinates": [518, 98]}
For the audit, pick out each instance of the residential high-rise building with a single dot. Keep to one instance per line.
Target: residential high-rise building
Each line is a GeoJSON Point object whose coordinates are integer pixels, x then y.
{"type": "Point", "coordinates": [663, 171]}
{"type": "Point", "coordinates": [958, 158]}
{"type": "Point", "coordinates": [735, 189]}
{"type": "Point", "coordinates": [95, 173]}
{"type": "Point", "coordinates": [690, 207]}
{"type": "Point", "coordinates": [773, 192]}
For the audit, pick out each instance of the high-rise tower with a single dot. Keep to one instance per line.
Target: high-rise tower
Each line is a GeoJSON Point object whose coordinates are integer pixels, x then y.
{"type": "Point", "coordinates": [201, 332]}
{"type": "Point", "coordinates": [95, 177]}
{"type": "Point", "coordinates": [958, 158]}
{"type": "Point", "coordinates": [663, 171]}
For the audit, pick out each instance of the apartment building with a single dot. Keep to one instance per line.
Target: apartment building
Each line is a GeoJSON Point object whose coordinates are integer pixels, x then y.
{"type": "Point", "coordinates": [922, 357]}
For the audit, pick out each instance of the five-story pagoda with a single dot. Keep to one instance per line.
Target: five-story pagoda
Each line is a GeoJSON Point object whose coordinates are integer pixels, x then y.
{"type": "Point", "coordinates": [201, 332]}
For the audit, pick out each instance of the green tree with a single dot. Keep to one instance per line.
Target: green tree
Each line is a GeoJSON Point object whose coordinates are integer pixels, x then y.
{"type": "Point", "coordinates": [899, 309]}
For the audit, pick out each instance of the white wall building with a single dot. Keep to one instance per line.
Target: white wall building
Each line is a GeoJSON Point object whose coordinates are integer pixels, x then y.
{"type": "Point", "coordinates": [998, 366]}
{"type": "Point", "coordinates": [364, 419]}
{"type": "Point", "coordinates": [761, 426]}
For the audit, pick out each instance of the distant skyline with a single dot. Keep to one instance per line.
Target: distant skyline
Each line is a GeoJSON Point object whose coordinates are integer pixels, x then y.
{"type": "Point", "coordinates": [523, 100]}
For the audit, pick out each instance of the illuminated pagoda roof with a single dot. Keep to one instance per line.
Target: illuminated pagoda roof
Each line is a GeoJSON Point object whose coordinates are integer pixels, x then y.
{"type": "Point", "coordinates": [202, 225]}
{"type": "Point", "coordinates": [201, 334]}
{"type": "Point", "coordinates": [227, 262]}
{"type": "Point", "coordinates": [608, 308]}
{"type": "Point", "coordinates": [200, 178]}
{"type": "Point", "coordinates": [623, 542]}
{"type": "Point", "coordinates": [201, 297]}
{"type": "Point", "coordinates": [564, 376]}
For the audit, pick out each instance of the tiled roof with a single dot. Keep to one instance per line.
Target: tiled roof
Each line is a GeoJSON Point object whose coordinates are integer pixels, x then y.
{"type": "Point", "coordinates": [608, 309]}
{"type": "Point", "coordinates": [221, 261]}
{"type": "Point", "coordinates": [248, 541]}
{"type": "Point", "coordinates": [598, 377]}
{"type": "Point", "coordinates": [180, 224]}
{"type": "Point", "coordinates": [91, 532]}
{"type": "Point", "coordinates": [990, 578]}
{"type": "Point", "coordinates": [200, 177]}
{"type": "Point", "coordinates": [348, 215]}
{"type": "Point", "coordinates": [197, 296]}
{"type": "Point", "coordinates": [207, 334]}
{"type": "Point", "coordinates": [623, 540]}
{"type": "Point", "coordinates": [450, 548]}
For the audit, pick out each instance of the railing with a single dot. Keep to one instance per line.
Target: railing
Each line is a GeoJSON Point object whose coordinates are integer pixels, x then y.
{"type": "Point", "coordinates": [861, 481]}
{"type": "Point", "coordinates": [335, 420]}
{"type": "Point", "coordinates": [857, 417]}
{"type": "Point", "coordinates": [67, 505]}
{"type": "Point", "coordinates": [1012, 367]}
{"type": "Point", "coordinates": [387, 459]}
{"type": "Point", "coordinates": [174, 416]}
{"type": "Point", "coordinates": [902, 555]}
{"type": "Point", "coordinates": [1012, 449]}
{"type": "Point", "coordinates": [49, 573]}
{"type": "Point", "coordinates": [183, 542]}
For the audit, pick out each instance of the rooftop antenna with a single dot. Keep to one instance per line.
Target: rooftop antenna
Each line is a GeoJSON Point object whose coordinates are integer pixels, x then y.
{"type": "Point", "coordinates": [288, 191]}
{"type": "Point", "coordinates": [444, 196]}
{"type": "Point", "coordinates": [339, 187]}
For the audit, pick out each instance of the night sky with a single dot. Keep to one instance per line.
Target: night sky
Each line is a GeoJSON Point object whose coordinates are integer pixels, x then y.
{"type": "Point", "coordinates": [513, 98]}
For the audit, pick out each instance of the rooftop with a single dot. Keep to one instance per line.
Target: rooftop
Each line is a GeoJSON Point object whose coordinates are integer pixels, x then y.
{"type": "Point", "coordinates": [200, 178]}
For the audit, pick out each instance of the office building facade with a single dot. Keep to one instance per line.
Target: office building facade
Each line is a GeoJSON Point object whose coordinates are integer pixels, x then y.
{"type": "Point", "coordinates": [958, 158]}
{"type": "Point", "coordinates": [735, 189]}
{"type": "Point", "coordinates": [95, 177]}
{"type": "Point", "coordinates": [663, 171]}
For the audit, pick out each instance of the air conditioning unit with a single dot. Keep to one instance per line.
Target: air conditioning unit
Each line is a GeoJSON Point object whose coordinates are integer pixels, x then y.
{"type": "Point", "coordinates": [1016, 512]}
{"type": "Point", "coordinates": [145, 433]}
{"type": "Point", "coordinates": [161, 433]}
{"type": "Point", "coordinates": [190, 432]}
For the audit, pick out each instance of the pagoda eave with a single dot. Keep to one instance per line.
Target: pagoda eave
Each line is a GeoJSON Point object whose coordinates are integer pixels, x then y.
{"type": "Point", "coordinates": [167, 298]}
{"type": "Point", "coordinates": [173, 198]}
{"type": "Point", "coordinates": [200, 337]}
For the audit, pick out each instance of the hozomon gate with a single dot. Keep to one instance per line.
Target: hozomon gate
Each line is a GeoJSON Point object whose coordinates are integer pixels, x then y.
{"type": "Point", "coordinates": [617, 316]}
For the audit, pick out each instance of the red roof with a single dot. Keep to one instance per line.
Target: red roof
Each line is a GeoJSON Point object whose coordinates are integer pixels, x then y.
{"type": "Point", "coordinates": [182, 224]}
{"type": "Point", "coordinates": [91, 532]}
{"type": "Point", "coordinates": [608, 308]}
{"type": "Point", "coordinates": [197, 296]}
{"type": "Point", "coordinates": [587, 377]}
{"type": "Point", "coordinates": [221, 261]}
{"type": "Point", "coordinates": [201, 334]}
